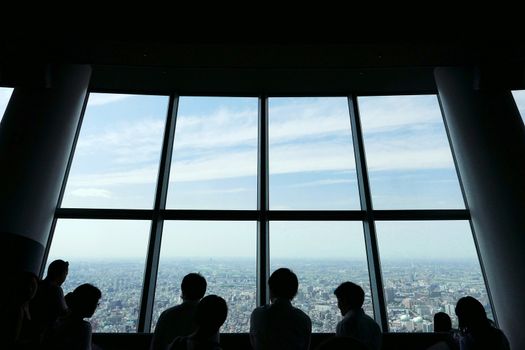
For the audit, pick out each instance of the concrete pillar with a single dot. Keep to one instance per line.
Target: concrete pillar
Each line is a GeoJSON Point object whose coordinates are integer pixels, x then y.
{"type": "Point", "coordinates": [36, 137]}
{"type": "Point", "coordinates": [488, 140]}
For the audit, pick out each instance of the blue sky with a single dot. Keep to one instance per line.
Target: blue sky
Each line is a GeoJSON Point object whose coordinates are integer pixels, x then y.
{"type": "Point", "coordinates": [214, 166]}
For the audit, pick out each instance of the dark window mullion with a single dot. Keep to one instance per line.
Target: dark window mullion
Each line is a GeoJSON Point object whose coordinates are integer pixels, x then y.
{"type": "Point", "coordinates": [372, 251]}
{"type": "Point", "coordinates": [263, 253]}
{"type": "Point", "coordinates": [152, 259]}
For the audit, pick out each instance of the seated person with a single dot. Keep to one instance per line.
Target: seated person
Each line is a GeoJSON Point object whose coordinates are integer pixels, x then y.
{"type": "Point", "coordinates": [210, 315]}
{"type": "Point", "coordinates": [280, 325]}
{"type": "Point", "coordinates": [49, 303]}
{"type": "Point", "coordinates": [179, 320]}
{"type": "Point", "coordinates": [355, 323]}
{"type": "Point", "coordinates": [72, 332]}
{"type": "Point", "coordinates": [476, 331]}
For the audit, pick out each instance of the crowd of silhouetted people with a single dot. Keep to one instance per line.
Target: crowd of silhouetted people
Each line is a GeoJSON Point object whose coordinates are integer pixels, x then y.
{"type": "Point", "coordinates": [36, 315]}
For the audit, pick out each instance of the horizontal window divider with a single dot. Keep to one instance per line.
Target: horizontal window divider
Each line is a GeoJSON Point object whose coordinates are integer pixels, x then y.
{"type": "Point", "coordinates": [183, 214]}
{"type": "Point", "coordinates": [316, 215]}
{"type": "Point", "coordinates": [130, 214]}
{"type": "Point", "coordinates": [271, 215]}
{"type": "Point", "coordinates": [430, 214]}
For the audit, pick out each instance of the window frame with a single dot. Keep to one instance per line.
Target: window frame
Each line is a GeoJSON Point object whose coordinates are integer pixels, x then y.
{"type": "Point", "coordinates": [262, 214]}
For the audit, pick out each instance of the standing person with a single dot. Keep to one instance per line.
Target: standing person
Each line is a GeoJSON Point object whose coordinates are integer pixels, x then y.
{"type": "Point", "coordinates": [280, 325]}
{"type": "Point", "coordinates": [355, 323]}
{"type": "Point", "coordinates": [476, 331]}
{"type": "Point", "coordinates": [210, 315]}
{"type": "Point", "coordinates": [72, 331]}
{"type": "Point", "coordinates": [49, 303]}
{"type": "Point", "coordinates": [179, 320]}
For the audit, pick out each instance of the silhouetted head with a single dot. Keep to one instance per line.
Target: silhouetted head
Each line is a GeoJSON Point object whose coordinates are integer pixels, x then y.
{"type": "Point", "coordinates": [193, 287]}
{"type": "Point", "coordinates": [442, 322]}
{"type": "Point", "coordinates": [57, 271]}
{"type": "Point", "coordinates": [83, 301]}
{"type": "Point", "coordinates": [210, 314]}
{"type": "Point", "coordinates": [24, 285]}
{"type": "Point", "coordinates": [471, 314]}
{"type": "Point", "coordinates": [350, 296]}
{"type": "Point", "coordinates": [283, 283]}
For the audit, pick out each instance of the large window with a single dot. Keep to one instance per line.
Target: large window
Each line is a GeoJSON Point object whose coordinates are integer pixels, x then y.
{"type": "Point", "coordinates": [348, 188]}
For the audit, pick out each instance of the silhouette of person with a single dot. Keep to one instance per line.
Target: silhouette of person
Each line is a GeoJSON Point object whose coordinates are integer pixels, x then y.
{"type": "Point", "coordinates": [20, 288]}
{"type": "Point", "coordinates": [476, 331]}
{"type": "Point", "coordinates": [280, 325]}
{"type": "Point", "coordinates": [442, 322]}
{"type": "Point", "coordinates": [72, 332]}
{"type": "Point", "coordinates": [49, 303]}
{"type": "Point", "coordinates": [179, 320]}
{"type": "Point", "coordinates": [210, 315]}
{"type": "Point", "coordinates": [355, 323]}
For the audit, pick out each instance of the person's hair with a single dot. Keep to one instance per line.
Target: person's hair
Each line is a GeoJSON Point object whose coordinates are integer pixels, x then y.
{"type": "Point", "coordinates": [442, 322]}
{"type": "Point", "coordinates": [351, 293]}
{"type": "Point", "coordinates": [83, 300]}
{"type": "Point", "coordinates": [471, 314]}
{"type": "Point", "coordinates": [57, 268]}
{"type": "Point", "coordinates": [283, 283]}
{"type": "Point", "coordinates": [211, 313]}
{"type": "Point", "coordinates": [193, 286]}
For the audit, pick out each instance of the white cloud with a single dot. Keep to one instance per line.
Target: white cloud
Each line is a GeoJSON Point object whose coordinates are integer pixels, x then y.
{"type": "Point", "coordinates": [98, 99]}
{"type": "Point", "coordinates": [91, 192]}
{"type": "Point", "coordinates": [306, 137]}
{"type": "Point", "coordinates": [146, 175]}
{"type": "Point", "coordinates": [130, 144]}
{"type": "Point", "coordinates": [323, 182]}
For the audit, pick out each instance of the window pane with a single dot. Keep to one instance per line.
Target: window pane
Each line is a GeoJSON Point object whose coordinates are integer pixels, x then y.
{"type": "Point", "coordinates": [117, 156]}
{"type": "Point", "coordinates": [427, 267]}
{"type": "Point", "coordinates": [323, 255]}
{"type": "Point", "coordinates": [5, 95]}
{"type": "Point", "coordinates": [312, 164]}
{"type": "Point", "coordinates": [408, 156]}
{"type": "Point", "coordinates": [519, 97]}
{"type": "Point", "coordinates": [223, 252]}
{"type": "Point", "coordinates": [215, 154]}
{"type": "Point", "coordinates": [111, 255]}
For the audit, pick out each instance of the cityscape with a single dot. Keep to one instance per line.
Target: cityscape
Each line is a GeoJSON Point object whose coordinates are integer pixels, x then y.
{"type": "Point", "coordinates": [414, 290]}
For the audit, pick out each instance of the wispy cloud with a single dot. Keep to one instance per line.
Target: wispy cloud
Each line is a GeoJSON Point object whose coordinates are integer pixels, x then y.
{"type": "Point", "coordinates": [91, 192]}
{"type": "Point", "coordinates": [307, 136]}
{"type": "Point", "coordinates": [323, 182]}
{"type": "Point", "coordinates": [97, 99]}
{"type": "Point", "coordinates": [133, 143]}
